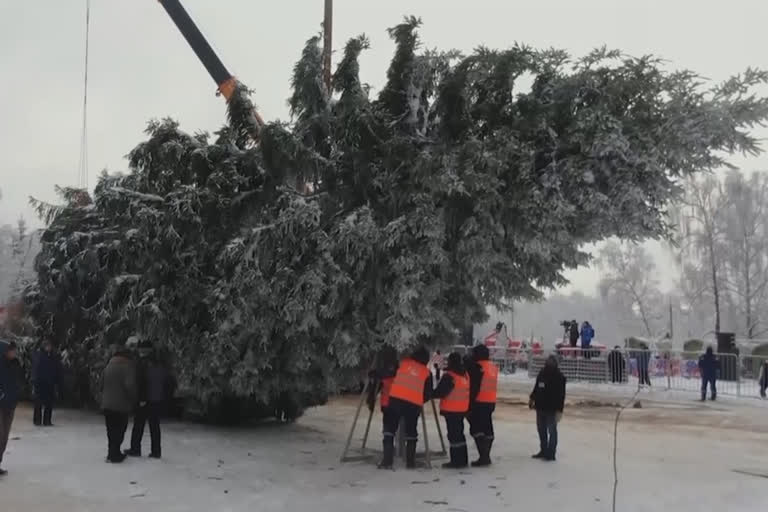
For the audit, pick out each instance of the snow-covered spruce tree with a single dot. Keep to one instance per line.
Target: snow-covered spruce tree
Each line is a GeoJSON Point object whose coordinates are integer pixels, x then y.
{"type": "Point", "coordinates": [449, 191]}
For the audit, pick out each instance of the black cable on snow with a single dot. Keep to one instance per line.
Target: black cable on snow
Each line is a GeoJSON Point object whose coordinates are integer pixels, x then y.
{"type": "Point", "coordinates": [615, 446]}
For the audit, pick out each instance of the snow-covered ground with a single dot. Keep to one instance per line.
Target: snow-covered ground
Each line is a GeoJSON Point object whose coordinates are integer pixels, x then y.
{"type": "Point", "coordinates": [674, 455]}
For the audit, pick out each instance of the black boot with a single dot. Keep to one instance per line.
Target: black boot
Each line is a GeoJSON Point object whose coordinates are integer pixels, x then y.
{"type": "Point", "coordinates": [388, 456]}
{"type": "Point", "coordinates": [459, 458]}
{"type": "Point", "coordinates": [132, 453]}
{"type": "Point", "coordinates": [484, 449]}
{"type": "Point", "coordinates": [453, 462]}
{"type": "Point", "coordinates": [410, 454]}
{"type": "Point", "coordinates": [539, 455]}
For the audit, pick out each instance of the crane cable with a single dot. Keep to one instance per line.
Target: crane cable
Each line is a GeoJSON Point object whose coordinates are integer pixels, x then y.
{"type": "Point", "coordinates": [82, 178]}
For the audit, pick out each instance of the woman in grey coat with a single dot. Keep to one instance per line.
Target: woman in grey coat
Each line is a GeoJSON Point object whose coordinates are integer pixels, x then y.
{"type": "Point", "coordinates": [118, 400]}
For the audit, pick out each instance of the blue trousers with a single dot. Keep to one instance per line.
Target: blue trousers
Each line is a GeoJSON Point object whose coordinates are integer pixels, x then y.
{"type": "Point", "coordinates": [546, 423]}
{"type": "Point", "coordinates": [712, 387]}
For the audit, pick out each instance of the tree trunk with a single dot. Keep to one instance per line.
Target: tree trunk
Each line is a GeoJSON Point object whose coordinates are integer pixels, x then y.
{"type": "Point", "coordinates": [715, 287]}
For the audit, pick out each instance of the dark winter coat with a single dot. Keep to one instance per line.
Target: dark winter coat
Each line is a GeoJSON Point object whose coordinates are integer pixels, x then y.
{"type": "Point", "coordinates": [616, 364]}
{"type": "Point", "coordinates": [587, 334]}
{"type": "Point", "coordinates": [151, 380]}
{"type": "Point", "coordinates": [643, 358]}
{"type": "Point", "coordinates": [574, 334]}
{"type": "Point", "coordinates": [475, 373]}
{"type": "Point", "coordinates": [46, 373]}
{"type": "Point", "coordinates": [444, 387]}
{"type": "Point", "coordinates": [709, 366]}
{"type": "Point", "coordinates": [120, 392]}
{"type": "Point", "coordinates": [548, 392]}
{"type": "Point", "coordinates": [11, 380]}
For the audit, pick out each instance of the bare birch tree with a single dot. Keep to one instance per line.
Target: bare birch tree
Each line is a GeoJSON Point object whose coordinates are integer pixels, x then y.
{"type": "Point", "coordinates": [628, 279]}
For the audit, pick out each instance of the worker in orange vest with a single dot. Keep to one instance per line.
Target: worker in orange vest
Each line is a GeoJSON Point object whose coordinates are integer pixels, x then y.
{"type": "Point", "coordinates": [453, 392]}
{"type": "Point", "coordinates": [380, 382]}
{"type": "Point", "coordinates": [483, 381]}
{"type": "Point", "coordinates": [411, 387]}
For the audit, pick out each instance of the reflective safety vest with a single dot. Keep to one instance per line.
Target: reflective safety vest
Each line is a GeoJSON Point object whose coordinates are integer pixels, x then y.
{"type": "Point", "coordinates": [488, 385]}
{"type": "Point", "coordinates": [458, 399]}
{"type": "Point", "coordinates": [386, 386]}
{"type": "Point", "coordinates": [409, 382]}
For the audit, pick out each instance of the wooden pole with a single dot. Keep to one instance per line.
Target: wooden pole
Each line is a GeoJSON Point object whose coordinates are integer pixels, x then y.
{"type": "Point", "coordinates": [354, 422]}
{"type": "Point", "coordinates": [439, 429]}
{"type": "Point", "coordinates": [367, 430]}
{"type": "Point", "coordinates": [427, 454]}
{"type": "Point", "coordinates": [327, 43]}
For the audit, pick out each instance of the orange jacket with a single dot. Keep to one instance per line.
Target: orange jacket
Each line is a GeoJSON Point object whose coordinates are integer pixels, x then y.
{"type": "Point", "coordinates": [458, 399]}
{"type": "Point", "coordinates": [489, 383]}
{"type": "Point", "coordinates": [409, 382]}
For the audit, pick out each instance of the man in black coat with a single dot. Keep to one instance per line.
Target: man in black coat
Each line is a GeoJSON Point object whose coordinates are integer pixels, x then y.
{"type": "Point", "coordinates": [573, 334]}
{"type": "Point", "coordinates": [152, 382]}
{"type": "Point", "coordinates": [548, 398]}
{"type": "Point", "coordinates": [46, 376]}
{"type": "Point", "coordinates": [616, 365]}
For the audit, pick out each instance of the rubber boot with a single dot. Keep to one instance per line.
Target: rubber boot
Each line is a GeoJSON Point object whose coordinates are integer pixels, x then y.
{"type": "Point", "coordinates": [479, 445]}
{"type": "Point", "coordinates": [483, 448]}
{"type": "Point", "coordinates": [410, 454]}
{"type": "Point", "coordinates": [453, 463]}
{"type": "Point", "coordinates": [459, 458]}
{"type": "Point", "coordinates": [388, 456]}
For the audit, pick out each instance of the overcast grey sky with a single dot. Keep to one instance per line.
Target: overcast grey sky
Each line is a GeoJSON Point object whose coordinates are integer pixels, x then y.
{"type": "Point", "coordinates": [141, 68]}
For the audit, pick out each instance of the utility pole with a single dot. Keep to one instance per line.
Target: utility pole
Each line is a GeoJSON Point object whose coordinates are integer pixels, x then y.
{"type": "Point", "coordinates": [327, 43]}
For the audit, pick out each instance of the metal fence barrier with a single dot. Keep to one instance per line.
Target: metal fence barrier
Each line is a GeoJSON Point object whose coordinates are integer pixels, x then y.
{"type": "Point", "coordinates": [737, 375]}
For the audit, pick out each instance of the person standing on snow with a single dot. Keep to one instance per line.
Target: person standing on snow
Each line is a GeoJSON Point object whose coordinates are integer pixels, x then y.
{"type": "Point", "coordinates": [380, 382]}
{"type": "Point", "coordinates": [411, 387]}
{"type": "Point", "coordinates": [616, 365]}
{"type": "Point", "coordinates": [11, 379]}
{"type": "Point", "coordinates": [709, 365]}
{"type": "Point", "coordinates": [574, 334]}
{"type": "Point", "coordinates": [152, 382]}
{"type": "Point", "coordinates": [587, 335]}
{"type": "Point", "coordinates": [548, 398]}
{"type": "Point", "coordinates": [46, 377]}
{"type": "Point", "coordinates": [118, 400]}
{"type": "Point", "coordinates": [483, 383]}
{"type": "Point", "coordinates": [453, 391]}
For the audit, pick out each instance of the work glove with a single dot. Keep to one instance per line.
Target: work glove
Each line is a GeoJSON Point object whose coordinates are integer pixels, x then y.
{"type": "Point", "coordinates": [558, 416]}
{"type": "Point", "coordinates": [531, 403]}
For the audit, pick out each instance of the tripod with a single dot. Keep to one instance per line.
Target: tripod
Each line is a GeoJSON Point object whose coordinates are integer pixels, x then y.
{"type": "Point", "coordinates": [400, 441]}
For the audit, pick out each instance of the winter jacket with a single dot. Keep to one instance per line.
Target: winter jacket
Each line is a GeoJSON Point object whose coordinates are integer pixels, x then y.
{"type": "Point", "coordinates": [120, 392]}
{"type": "Point", "coordinates": [587, 334]}
{"type": "Point", "coordinates": [616, 363]}
{"type": "Point", "coordinates": [574, 334]}
{"type": "Point", "coordinates": [46, 373]}
{"type": "Point", "coordinates": [475, 372]}
{"type": "Point", "coordinates": [444, 387]}
{"type": "Point", "coordinates": [709, 366]}
{"type": "Point", "coordinates": [156, 382]}
{"type": "Point", "coordinates": [548, 392]}
{"type": "Point", "coordinates": [11, 380]}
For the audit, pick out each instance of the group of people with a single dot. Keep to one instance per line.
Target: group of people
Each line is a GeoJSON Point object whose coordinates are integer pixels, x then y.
{"type": "Point", "coordinates": [135, 382]}
{"type": "Point", "coordinates": [586, 334]}
{"type": "Point", "coordinates": [135, 386]}
{"type": "Point", "coordinates": [46, 380]}
{"type": "Point", "coordinates": [467, 389]}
